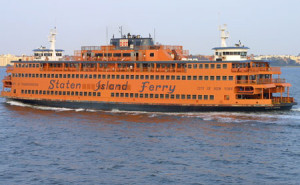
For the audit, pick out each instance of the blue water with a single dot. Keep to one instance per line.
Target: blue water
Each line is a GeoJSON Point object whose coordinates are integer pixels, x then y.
{"type": "Point", "coordinates": [44, 145]}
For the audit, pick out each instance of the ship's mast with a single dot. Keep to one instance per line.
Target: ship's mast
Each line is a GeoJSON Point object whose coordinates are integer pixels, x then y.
{"type": "Point", "coordinates": [224, 35]}
{"type": "Point", "coordinates": [52, 40]}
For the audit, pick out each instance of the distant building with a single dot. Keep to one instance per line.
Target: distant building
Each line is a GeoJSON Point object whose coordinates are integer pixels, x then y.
{"type": "Point", "coordinates": [6, 59]}
{"type": "Point", "coordinates": [266, 57]}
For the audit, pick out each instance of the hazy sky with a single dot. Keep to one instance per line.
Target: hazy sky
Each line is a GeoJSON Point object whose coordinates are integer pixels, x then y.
{"type": "Point", "coordinates": [266, 26]}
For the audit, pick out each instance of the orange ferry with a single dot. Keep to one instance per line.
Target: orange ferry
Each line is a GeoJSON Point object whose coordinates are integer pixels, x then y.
{"type": "Point", "coordinates": [132, 73]}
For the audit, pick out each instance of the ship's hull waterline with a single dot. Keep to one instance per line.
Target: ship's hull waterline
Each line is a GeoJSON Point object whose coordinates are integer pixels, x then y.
{"type": "Point", "coordinates": [107, 106]}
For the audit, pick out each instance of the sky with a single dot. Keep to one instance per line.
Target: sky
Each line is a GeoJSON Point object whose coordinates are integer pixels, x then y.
{"type": "Point", "coordinates": [267, 27]}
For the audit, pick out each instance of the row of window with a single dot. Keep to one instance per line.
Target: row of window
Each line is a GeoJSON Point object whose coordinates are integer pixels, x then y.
{"type": "Point", "coordinates": [68, 93]}
{"type": "Point", "coordinates": [137, 77]}
{"type": "Point", "coordinates": [163, 96]}
{"type": "Point", "coordinates": [101, 65]}
{"type": "Point", "coordinates": [121, 95]}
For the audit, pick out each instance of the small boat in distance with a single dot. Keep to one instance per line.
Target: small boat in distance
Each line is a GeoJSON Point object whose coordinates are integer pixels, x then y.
{"type": "Point", "coordinates": [134, 74]}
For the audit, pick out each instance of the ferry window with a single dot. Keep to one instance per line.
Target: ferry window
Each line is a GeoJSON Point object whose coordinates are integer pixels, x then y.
{"type": "Point", "coordinates": [117, 94]}
{"type": "Point", "coordinates": [85, 76]}
{"type": "Point", "coordinates": [81, 76]}
{"type": "Point", "coordinates": [36, 92]}
{"type": "Point", "coordinates": [126, 54]}
{"type": "Point", "coordinates": [117, 76]}
{"type": "Point", "coordinates": [151, 95]}
{"type": "Point", "coordinates": [136, 77]}
{"type": "Point", "coordinates": [141, 95]}
{"type": "Point", "coordinates": [94, 76]}
{"type": "Point", "coordinates": [103, 76]}
{"type": "Point", "coordinates": [224, 77]}
{"type": "Point", "coordinates": [29, 65]}
{"type": "Point", "coordinates": [194, 77]}
{"type": "Point", "coordinates": [167, 96]}
{"type": "Point", "coordinates": [224, 66]}
{"type": "Point", "coordinates": [151, 54]}
{"type": "Point", "coordinates": [177, 96]}
{"type": "Point", "coordinates": [59, 92]}
{"type": "Point", "coordinates": [98, 93]}
{"type": "Point", "coordinates": [172, 96]}
{"type": "Point", "coordinates": [205, 77]}
{"type": "Point", "coordinates": [94, 93]}
{"type": "Point", "coordinates": [142, 77]}
{"type": "Point", "coordinates": [172, 77]}
{"type": "Point", "coordinates": [200, 77]}
{"type": "Point", "coordinates": [195, 66]}
{"type": "Point", "coordinates": [131, 95]}
{"type": "Point", "coordinates": [25, 91]}
{"type": "Point", "coordinates": [218, 66]}
{"type": "Point", "coordinates": [190, 66]}
{"type": "Point", "coordinates": [205, 97]}
{"type": "Point", "coordinates": [113, 76]}
{"type": "Point", "coordinates": [162, 77]}
{"type": "Point", "coordinates": [127, 76]}
{"type": "Point", "coordinates": [122, 76]}
{"type": "Point", "coordinates": [182, 96]}
{"type": "Point", "coordinates": [177, 77]}
{"type": "Point", "coordinates": [68, 93]}
{"type": "Point", "coordinates": [206, 66]}
{"type": "Point", "coordinates": [90, 94]}
{"type": "Point", "coordinates": [212, 78]}
{"type": "Point", "coordinates": [90, 76]}
{"type": "Point", "coordinates": [230, 78]}
{"type": "Point", "coordinates": [76, 93]}
{"type": "Point", "coordinates": [212, 66]}
{"type": "Point", "coordinates": [26, 75]}
{"type": "Point", "coordinates": [194, 97]}
{"type": "Point", "coordinates": [29, 75]}
{"type": "Point", "coordinates": [29, 91]}
{"type": "Point", "coordinates": [122, 95]}
{"type": "Point", "coordinates": [72, 93]}
{"type": "Point", "coordinates": [136, 95]}
{"type": "Point", "coordinates": [77, 75]}
{"type": "Point", "coordinates": [151, 77]}
{"type": "Point", "coordinates": [147, 77]}
{"type": "Point", "coordinates": [156, 95]}
{"type": "Point", "coordinates": [188, 96]}
{"type": "Point", "coordinates": [167, 77]}
{"type": "Point", "coordinates": [131, 76]}
{"type": "Point", "coordinates": [45, 75]}
{"type": "Point", "coordinates": [226, 97]}
{"type": "Point", "coordinates": [183, 77]}
{"type": "Point", "coordinates": [218, 77]}
{"type": "Point", "coordinates": [156, 77]}
{"type": "Point", "coordinates": [126, 95]}
{"type": "Point", "coordinates": [211, 97]}
{"type": "Point", "coordinates": [146, 95]}
{"type": "Point", "coordinates": [117, 54]}
{"type": "Point", "coordinates": [80, 93]}
{"type": "Point", "coordinates": [33, 65]}
{"type": "Point", "coordinates": [217, 53]}
{"type": "Point", "coordinates": [64, 92]}
{"type": "Point", "coordinates": [161, 96]}
{"type": "Point", "coordinates": [189, 77]}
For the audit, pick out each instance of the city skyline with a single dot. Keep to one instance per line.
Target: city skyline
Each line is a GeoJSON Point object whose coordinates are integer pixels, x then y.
{"type": "Point", "coordinates": [268, 27]}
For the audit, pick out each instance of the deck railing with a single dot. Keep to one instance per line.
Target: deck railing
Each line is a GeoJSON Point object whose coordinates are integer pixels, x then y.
{"type": "Point", "coordinates": [262, 81]}
{"type": "Point", "coordinates": [278, 100]}
{"type": "Point", "coordinates": [256, 69]}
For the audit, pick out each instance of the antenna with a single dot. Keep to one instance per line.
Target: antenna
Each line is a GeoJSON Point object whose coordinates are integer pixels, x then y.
{"type": "Point", "coordinates": [52, 40]}
{"type": "Point", "coordinates": [121, 31]}
{"type": "Point", "coordinates": [154, 37]}
{"type": "Point", "coordinates": [224, 35]}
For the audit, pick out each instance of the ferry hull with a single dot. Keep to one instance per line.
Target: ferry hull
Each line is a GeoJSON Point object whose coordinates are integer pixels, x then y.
{"type": "Point", "coordinates": [149, 107]}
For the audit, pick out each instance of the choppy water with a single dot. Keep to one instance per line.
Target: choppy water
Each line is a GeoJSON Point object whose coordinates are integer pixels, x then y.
{"type": "Point", "coordinates": [45, 145]}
